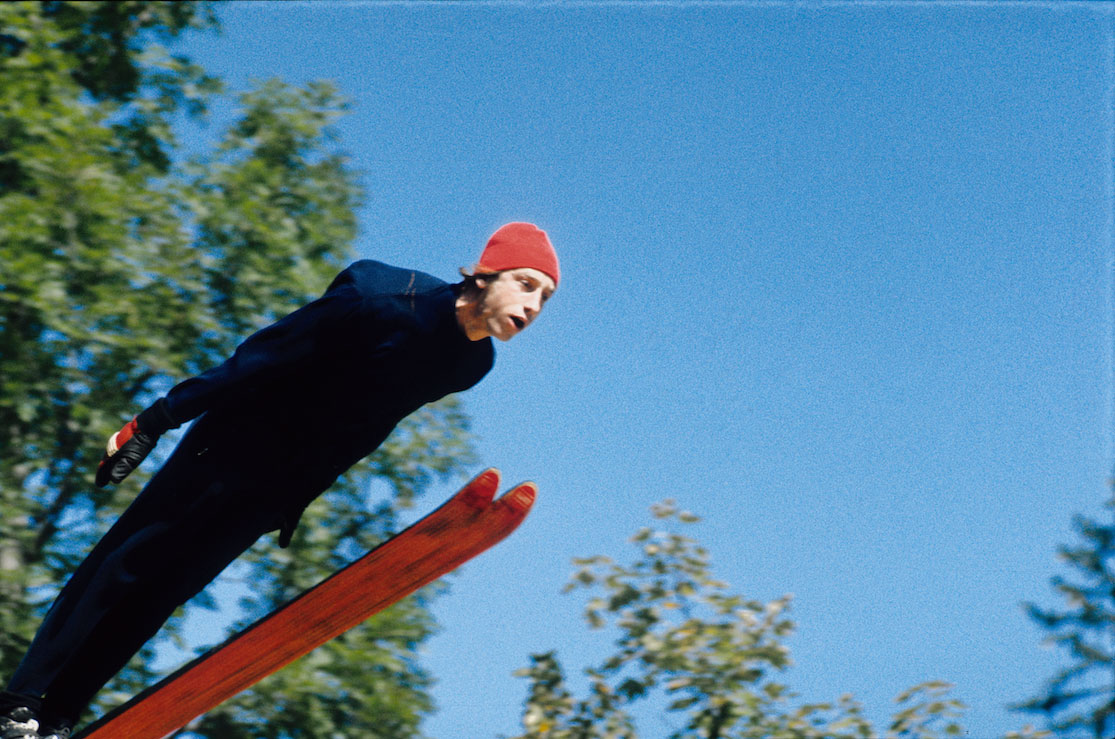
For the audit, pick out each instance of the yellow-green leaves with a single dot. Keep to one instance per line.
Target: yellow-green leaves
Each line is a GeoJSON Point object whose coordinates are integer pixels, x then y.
{"type": "Point", "coordinates": [711, 661]}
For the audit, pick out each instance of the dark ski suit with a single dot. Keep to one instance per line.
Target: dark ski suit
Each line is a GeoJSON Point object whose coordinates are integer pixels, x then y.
{"type": "Point", "coordinates": [298, 403]}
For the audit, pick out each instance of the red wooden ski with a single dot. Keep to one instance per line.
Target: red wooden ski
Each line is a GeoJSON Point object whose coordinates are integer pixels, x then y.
{"type": "Point", "coordinates": [463, 527]}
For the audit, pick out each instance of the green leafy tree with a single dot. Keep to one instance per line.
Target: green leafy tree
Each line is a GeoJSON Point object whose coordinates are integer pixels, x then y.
{"type": "Point", "coordinates": [1080, 699]}
{"type": "Point", "coordinates": [126, 266]}
{"type": "Point", "coordinates": [84, 232]}
{"type": "Point", "coordinates": [711, 657]}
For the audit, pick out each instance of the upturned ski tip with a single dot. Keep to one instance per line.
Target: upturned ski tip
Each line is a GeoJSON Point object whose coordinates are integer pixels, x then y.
{"type": "Point", "coordinates": [521, 497]}
{"type": "Point", "coordinates": [480, 490]}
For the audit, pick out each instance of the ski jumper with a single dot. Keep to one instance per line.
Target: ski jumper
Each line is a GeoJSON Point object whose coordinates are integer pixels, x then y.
{"type": "Point", "coordinates": [296, 405]}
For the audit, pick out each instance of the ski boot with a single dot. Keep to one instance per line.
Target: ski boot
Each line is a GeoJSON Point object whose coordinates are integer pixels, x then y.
{"type": "Point", "coordinates": [19, 723]}
{"type": "Point", "coordinates": [52, 726]}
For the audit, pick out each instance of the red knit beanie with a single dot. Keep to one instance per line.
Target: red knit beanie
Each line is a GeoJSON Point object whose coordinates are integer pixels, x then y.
{"type": "Point", "coordinates": [520, 245]}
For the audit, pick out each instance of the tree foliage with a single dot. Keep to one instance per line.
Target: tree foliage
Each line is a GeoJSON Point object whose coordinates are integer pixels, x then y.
{"type": "Point", "coordinates": [1080, 699]}
{"type": "Point", "coordinates": [127, 265]}
{"type": "Point", "coordinates": [711, 658]}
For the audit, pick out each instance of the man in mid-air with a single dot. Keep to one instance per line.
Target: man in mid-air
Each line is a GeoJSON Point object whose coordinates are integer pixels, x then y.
{"type": "Point", "coordinates": [294, 407]}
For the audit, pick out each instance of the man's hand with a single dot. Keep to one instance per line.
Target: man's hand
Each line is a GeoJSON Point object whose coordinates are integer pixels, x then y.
{"type": "Point", "coordinates": [125, 450]}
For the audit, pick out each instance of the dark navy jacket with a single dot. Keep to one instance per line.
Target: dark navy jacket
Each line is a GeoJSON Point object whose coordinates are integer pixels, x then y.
{"type": "Point", "coordinates": [304, 399]}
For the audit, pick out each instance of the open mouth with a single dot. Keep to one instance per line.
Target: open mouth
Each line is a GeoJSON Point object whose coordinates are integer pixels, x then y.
{"type": "Point", "coordinates": [519, 322]}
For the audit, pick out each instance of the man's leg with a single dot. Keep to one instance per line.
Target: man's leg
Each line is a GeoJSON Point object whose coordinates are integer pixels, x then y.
{"type": "Point", "coordinates": [178, 535]}
{"type": "Point", "coordinates": [198, 552]}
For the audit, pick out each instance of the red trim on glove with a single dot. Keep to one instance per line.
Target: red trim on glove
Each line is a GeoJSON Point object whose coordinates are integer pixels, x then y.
{"type": "Point", "coordinates": [121, 437]}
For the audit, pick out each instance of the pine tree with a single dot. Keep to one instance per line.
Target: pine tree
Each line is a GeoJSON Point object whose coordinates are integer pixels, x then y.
{"type": "Point", "coordinates": [1080, 699]}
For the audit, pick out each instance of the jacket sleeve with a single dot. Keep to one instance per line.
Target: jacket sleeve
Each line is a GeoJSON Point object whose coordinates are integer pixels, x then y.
{"type": "Point", "coordinates": [272, 352]}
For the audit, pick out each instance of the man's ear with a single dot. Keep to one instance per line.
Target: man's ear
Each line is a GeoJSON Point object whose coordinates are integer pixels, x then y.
{"type": "Point", "coordinates": [483, 282]}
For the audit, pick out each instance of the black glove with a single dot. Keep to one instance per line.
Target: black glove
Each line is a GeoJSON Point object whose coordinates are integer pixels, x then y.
{"type": "Point", "coordinates": [130, 445]}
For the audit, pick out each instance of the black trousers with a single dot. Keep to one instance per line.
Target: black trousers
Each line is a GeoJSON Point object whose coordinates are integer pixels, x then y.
{"type": "Point", "coordinates": [196, 515]}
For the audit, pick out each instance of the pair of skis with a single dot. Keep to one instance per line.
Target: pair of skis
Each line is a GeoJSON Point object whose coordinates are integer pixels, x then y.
{"type": "Point", "coordinates": [463, 527]}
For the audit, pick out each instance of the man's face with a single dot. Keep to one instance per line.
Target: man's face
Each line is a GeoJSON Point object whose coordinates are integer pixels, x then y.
{"type": "Point", "coordinates": [510, 303]}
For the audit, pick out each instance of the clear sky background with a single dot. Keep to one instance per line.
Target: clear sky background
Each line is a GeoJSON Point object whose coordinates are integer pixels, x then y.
{"type": "Point", "coordinates": [837, 277]}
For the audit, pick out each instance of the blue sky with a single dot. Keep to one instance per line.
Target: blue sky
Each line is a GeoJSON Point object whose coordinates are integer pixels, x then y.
{"type": "Point", "coordinates": [837, 277]}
